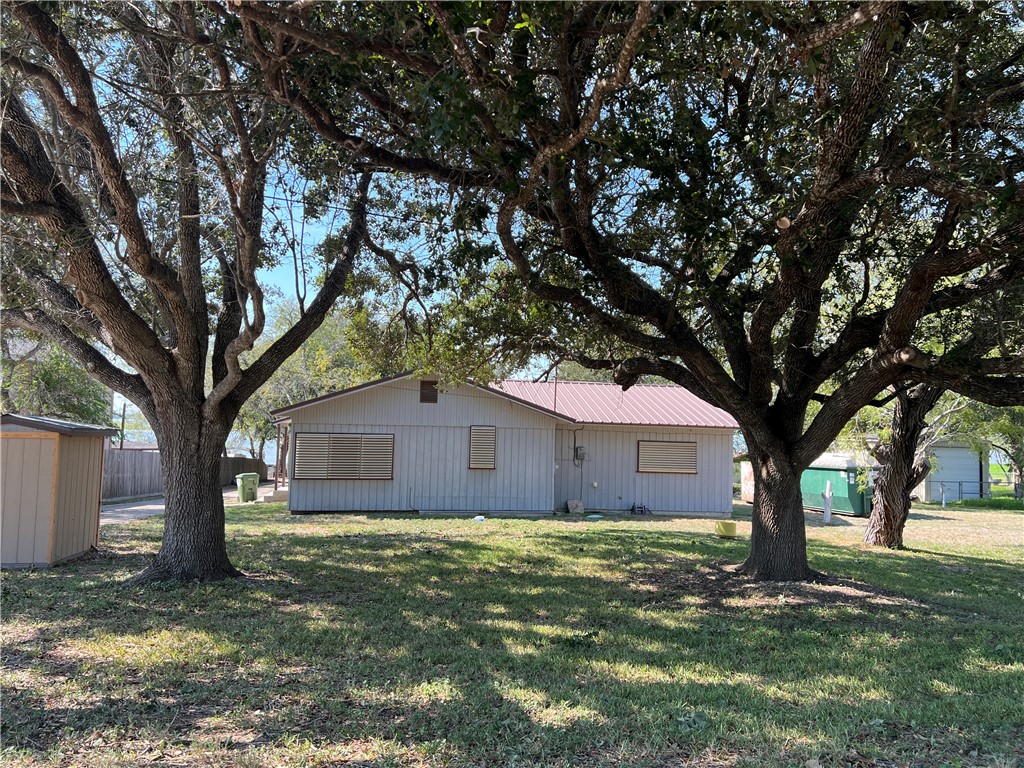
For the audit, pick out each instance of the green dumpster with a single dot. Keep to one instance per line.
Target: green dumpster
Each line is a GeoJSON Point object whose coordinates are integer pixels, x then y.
{"type": "Point", "coordinates": [845, 476]}
{"type": "Point", "coordinates": [247, 483]}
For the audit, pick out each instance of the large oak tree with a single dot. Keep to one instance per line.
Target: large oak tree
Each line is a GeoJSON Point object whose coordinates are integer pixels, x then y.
{"type": "Point", "coordinates": [752, 200]}
{"type": "Point", "coordinates": [138, 159]}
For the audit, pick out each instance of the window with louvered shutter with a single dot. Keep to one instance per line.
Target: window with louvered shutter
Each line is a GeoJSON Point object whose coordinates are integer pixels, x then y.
{"type": "Point", "coordinates": [312, 456]}
{"type": "Point", "coordinates": [377, 458]}
{"type": "Point", "coordinates": [345, 457]}
{"type": "Point", "coordinates": [666, 457]}
{"type": "Point", "coordinates": [321, 456]}
{"type": "Point", "coordinates": [481, 447]}
{"type": "Point", "coordinates": [428, 391]}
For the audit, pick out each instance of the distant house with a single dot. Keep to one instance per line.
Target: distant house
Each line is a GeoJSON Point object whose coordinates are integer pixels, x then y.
{"type": "Point", "coordinates": [959, 470]}
{"type": "Point", "coordinates": [402, 443]}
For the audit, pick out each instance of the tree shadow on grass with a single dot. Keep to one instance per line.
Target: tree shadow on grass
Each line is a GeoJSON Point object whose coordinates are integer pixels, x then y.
{"type": "Point", "coordinates": [583, 645]}
{"type": "Point", "coordinates": [917, 515]}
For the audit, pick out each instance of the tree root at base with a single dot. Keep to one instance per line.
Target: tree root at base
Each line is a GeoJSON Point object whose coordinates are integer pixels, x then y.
{"type": "Point", "coordinates": [756, 573]}
{"type": "Point", "coordinates": [162, 572]}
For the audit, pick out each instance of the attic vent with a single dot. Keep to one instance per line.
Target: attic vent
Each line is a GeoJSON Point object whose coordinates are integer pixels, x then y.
{"type": "Point", "coordinates": [676, 458]}
{"type": "Point", "coordinates": [343, 457]}
{"type": "Point", "coordinates": [481, 447]}
{"type": "Point", "coordinates": [428, 391]}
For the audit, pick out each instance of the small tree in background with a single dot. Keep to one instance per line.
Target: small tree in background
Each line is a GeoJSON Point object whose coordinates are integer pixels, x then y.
{"type": "Point", "coordinates": [1004, 429]}
{"type": "Point", "coordinates": [39, 379]}
{"type": "Point", "coordinates": [325, 363]}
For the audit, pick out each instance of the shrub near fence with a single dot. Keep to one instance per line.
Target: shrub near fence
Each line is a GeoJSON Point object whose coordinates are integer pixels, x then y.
{"type": "Point", "coordinates": [127, 474]}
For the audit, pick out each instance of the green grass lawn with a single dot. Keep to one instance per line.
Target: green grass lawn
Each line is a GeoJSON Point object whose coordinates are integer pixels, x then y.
{"type": "Point", "coordinates": [1001, 498]}
{"type": "Point", "coordinates": [997, 472]}
{"type": "Point", "coordinates": [398, 641]}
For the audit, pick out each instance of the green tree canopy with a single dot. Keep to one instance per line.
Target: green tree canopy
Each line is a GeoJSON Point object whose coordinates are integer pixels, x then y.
{"type": "Point", "coordinates": [40, 379]}
{"type": "Point", "coordinates": [763, 203]}
{"type": "Point", "coordinates": [142, 162]}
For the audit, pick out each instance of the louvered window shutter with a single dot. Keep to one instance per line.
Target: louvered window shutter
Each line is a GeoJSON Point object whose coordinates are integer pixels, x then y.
{"type": "Point", "coordinates": [322, 456]}
{"type": "Point", "coordinates": [481, 447]}
{"type": "Point", "coordinates": [312, 456]}
{"type": "Point", "coordinates": [666, 457]}
{"type": "Point", "coordinates": [345, 456]}
{"type": "Point", "coordinates": [428, 391]}
{"type": "Point", "coordinates": [377, 458]}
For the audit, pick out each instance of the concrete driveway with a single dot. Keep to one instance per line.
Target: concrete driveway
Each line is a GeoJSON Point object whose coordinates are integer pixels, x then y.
{"type": "Point", "coordinates": [133, 510]}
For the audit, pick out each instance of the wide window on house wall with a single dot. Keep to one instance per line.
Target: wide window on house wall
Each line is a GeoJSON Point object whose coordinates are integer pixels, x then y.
{"type": "Point", "coordinates": [482, 447]}
{"type": "Point", "coordinates": [666, 457]}
{"type": "Point", "coordinates": [320, 456]}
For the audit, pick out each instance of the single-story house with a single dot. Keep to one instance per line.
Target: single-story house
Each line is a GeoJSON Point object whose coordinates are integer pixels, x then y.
{"type": "Point", "coordinates": [959, 470]}
{"type": "Point", "coordinates": [403, 443]}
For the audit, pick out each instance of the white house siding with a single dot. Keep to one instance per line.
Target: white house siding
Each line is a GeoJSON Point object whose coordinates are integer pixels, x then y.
{"type": "Point", "coordinates": [612, 460]}
{"type": "Point", "coordinates": [958, 469]}
{"type": "Point", "coordinates": [431, 453]}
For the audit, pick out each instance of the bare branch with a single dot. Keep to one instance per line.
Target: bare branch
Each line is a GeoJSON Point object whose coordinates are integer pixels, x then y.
{"type": "Point", "coordinates": [239, 384]}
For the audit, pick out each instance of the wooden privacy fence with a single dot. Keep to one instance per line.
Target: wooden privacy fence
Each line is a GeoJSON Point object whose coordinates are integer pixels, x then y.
{"type": "Point", "coordinates": [236, 465]}
{"type": "Point", "coordinates": [137, 473]}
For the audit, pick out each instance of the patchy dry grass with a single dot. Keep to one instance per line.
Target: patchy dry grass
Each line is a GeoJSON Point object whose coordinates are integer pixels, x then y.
{"type": "Point", "coordinates": [394, 641]}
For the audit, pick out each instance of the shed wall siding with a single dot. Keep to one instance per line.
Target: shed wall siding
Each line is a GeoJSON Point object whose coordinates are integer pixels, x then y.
{"type": "Point", "coordinates": [78, 496]}
{"type": "Point", "coordinates": [27, 471]}
{"type": "Point", "coordinates": [431, 460]}
{"type": "Point", "coordinates": [952, 466]}
{"type": "Point", "coordinates": [613, 463]}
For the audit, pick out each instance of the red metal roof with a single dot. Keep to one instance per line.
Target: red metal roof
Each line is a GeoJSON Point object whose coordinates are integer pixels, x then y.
{"type": "Point", "coordinates": [592, 402]}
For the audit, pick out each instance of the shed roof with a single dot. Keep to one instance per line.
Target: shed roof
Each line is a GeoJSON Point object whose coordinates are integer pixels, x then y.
{"type": "Point", "coordinates": [593, 402]}
{"type": "Point", "coordinates": [72, 428]}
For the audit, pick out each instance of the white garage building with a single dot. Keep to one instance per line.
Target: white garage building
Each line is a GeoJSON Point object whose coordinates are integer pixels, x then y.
{"type": "Point", "coordinates": [959, 470]}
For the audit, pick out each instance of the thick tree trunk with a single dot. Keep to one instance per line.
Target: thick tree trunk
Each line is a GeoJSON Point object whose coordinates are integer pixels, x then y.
{"type": "Point", "coordinates": [778, 545]}
{"type": "Point", "coordinates": [890, 501]}
{"type": "Point", "coordinates": [901, 470]}
{"type": "Point", "coordinates": [193, 546]}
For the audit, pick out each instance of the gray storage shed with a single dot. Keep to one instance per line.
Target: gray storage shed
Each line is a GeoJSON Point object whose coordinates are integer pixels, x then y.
{"type": "Point", "coordinates": [52, 474]}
